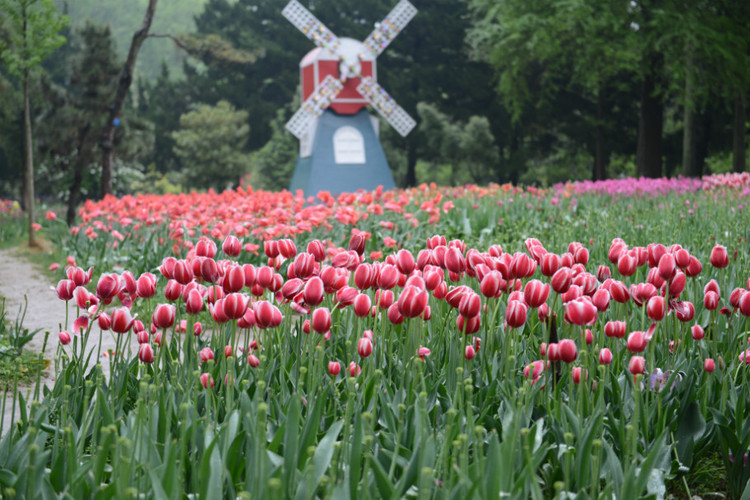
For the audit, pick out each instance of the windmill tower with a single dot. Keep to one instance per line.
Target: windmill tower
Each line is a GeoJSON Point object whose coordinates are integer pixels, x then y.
{"type": "Point", "coordinates": [340, 147]}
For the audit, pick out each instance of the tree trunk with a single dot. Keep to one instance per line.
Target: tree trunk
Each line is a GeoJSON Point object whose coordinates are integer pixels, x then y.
{"type": "Point", "coordinates": [126, 78]}
{"type": "Point", "coordinates": [650, 124]}
{"type": "Point", "coordinates": [690, 166]}
{"type": "Point", "coordinates": [738, 129]}
{"type": "Point", "coordinates": [600, 155]}
{"type": "Point", "coordinates": [75, 187]}
{"type": "Point", "coordinates": [29, 154]}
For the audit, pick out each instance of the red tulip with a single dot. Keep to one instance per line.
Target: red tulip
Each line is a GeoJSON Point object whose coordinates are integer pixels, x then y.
{"type": "Point", "coordinates": [469, 352]}
{"type": "Point", "coordinates": [317, 250]}
{"type": "Point", "coordinates": [711, 300]}
{"type": "Point", "coordinates": [627, 264]}
{"type": "Point", "coordinates": [667, 266]}
{"type": "Point", "coordinates": [719, 257]}
{"type": "Point", "coordinates": [600, 299]}
{"type": "Point", "coordinates": [207, 380]}
{"type": "Point", "coordinates": [641, 292]}
{"type": "Point", "coordinates": [334, 368]}
{"type": "Point", "coordinates": [684, 310]}
{"type": "Point", "coordinates": [580, 312]}
{"type": "Point", "coordinates": [617, 248]}
{"type": "Point", "coordinates": [122, 321]}
{"type": "Point", "coordinates": [253, 360]}
{"type": "Point", "coordinates": [562, 280]}
{"type": "Point", "coordinates": [388, 277]}
{"type": "Point", "coordinates": [454, 260]}
{"type": "Point", "coordinates": [206, 354]}
{"type": "Point", "coordinates": [354, 369]}
{"type": "Point", "coordinates": [65, 289]}
{"type": "Point", "coordinates": [549, 264]}
{"type": "Point", "coordinates": [522, 266]}
{"type": "Point", "coordinates": [108, 286]}
{"type": "Point", "coordinates": [694, 268]}
{"type": "Point", "coordinates": [709, 365]}
{"type": "Point", "coordinates": [205, 248]}
{"type": "Point", "coordinates": [535, 293]}
{"type": "Point", "coordinates": [615, 329]}
{"type": "Point", "coordinates": [357, 243]}
{"type": "Point", "coordinates": [656, 308]}
{"type": "Point", "coordinates": [364, 347]}
{"type": "Point", "coordinates": [534, 370]}
{"type": "Point", "coordinates": [287, 248]}
{"type": "Point", "coordinates": [234, 279]}
{"type": "Point", "coordinates": [581, 255]}
{"type": "Point", "coordinates": [163, 316]}
{"type": "Point", "coordinates": [362, 305]}
{"type": "Point", "coordinates": [696, 331]}
{"type": "Point", "coordinates": [637, 342]}
{"type": "Point", "coordinates": [515, 313]}
{"type": "Point", "coordinates": [605, 356]}
{"type": "Point", "coordinates": [470, 304]}
{"type": "Point", "coordinates": [64, 337]}
{"type": "Point", "coordinates": [394, 315]}
{"type": "Point", "coordinates": [313, 292]}
{"type": "Point", "coordinates": [468, 326]}
{"type": "Point", "coordinates": [405, 262]}
{"type": "Point", "coordinates": [321, 320]}
{"type": "Point", "coordinates": [79, 276]}
{"type": "Point", "coordinates": [231, 246]}
{"type": "Point", "coordinates": [576, 374]}
{"type": "Point", "coordinates": [637, 365]}
{"type": "Point", "coordinates": [744, 304]}
{"type": "Point", "coordinates": [603, 273]}
{"type": "Point", "coordinates": [146, 353]}
{"type": "Point", "coordinates": [412, 301]}
{"type": "Point", "coordinates": [568, 350]}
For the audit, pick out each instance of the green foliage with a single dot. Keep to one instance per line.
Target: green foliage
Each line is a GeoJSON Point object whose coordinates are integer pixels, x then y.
{"type": "Point", "coordinates": [32, 33]}
{"type": "Point", "coordinates": [272, 166]}
{"type": "Point", "coordinates": [468, 148]}
{"type": "Point", "coordinates": [210, 145]}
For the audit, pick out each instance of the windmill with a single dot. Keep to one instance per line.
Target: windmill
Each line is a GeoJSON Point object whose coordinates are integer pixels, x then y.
{"type": "Point", "coordinates": [340, 147]}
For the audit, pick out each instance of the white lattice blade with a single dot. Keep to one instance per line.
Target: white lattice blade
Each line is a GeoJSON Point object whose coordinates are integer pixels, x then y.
{"type": "Point", "coordinates": [386, 106]}
{"type": "Point", "coordinates": [388, 28]}
{"type": "Point", "coordinates": [310, 26]}
{"type": "Point", "coordinates": [314, 105]}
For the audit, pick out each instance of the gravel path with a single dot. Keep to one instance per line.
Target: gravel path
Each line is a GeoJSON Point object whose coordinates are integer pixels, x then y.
{"type": "Point", "coordinates": [45, 312]}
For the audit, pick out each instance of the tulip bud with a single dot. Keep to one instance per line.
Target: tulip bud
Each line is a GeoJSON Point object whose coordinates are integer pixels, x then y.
{"type": "Point", "coordinates": [334, 368]}
{"type": "Point", "coordinates": [253, 360]}
{"type": "Point", "coordinates": [605, 356]}
{"type": "Point", "coordinates": [64, 337]}
{"type": "Point", "coordinates": [709, 365]}
{"type": "Point", "coordinates": [469, 352]}
{"type": "Point", "coordinates": [637, 365]}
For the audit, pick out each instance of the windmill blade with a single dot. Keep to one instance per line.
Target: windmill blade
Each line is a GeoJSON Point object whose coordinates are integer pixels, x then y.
{"type": "Point", "coordinates": [310, 26]}
{"type": "Point", "coordinates": [314, 105]}
{"type": "Point", "coordinates": [386, 106]}
{"type": "Point", "coordinates": [388, 28]}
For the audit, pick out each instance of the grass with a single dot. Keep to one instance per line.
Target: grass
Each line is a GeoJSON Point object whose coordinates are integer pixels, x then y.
{"type": "Point", "coordinates": [23, 368]}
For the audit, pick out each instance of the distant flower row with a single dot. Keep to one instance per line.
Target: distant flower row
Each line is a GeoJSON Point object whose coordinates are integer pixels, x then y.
{"type": "Point", "coordinates": [652, 187]}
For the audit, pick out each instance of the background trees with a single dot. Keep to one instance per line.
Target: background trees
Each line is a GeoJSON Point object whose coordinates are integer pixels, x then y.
{"type": "Point", "coordinates": [505, 90]}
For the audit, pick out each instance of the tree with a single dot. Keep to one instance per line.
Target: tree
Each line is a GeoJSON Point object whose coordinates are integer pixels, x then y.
{"type": "Point", "coordinates": [107, 143]}
{"type": "Point", "coordinates": [546, 51]}
{"type": "Point", "coordinates": [34, 25]}
{"type": "Point", "coordinates": [210, 145]}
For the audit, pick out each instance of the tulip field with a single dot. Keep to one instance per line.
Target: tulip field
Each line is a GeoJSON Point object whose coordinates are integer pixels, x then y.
{"type": "Point", "coordinates": [590, 340]}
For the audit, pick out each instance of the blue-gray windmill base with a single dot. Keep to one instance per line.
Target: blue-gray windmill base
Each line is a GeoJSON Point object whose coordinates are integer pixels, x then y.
{"type": "Point", "coordinates": [320, 172]}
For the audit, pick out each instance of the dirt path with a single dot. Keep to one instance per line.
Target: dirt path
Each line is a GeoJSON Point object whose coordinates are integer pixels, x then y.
{"type": "Point", "coordinates": [45, 311]}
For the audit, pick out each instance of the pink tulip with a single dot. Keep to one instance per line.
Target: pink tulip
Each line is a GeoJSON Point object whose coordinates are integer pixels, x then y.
{"type": "Point", "coordinates": [719, 257]}
{"type": "Point", "coordinates": [535, 293]}
{"type": "Point", "coordinates": [470, 304]}
{"type": "Point", "coordinates": [637, 365]}
{"type": "Point", "coordinates": [334, 368]}
{"type": "Point", "coordinates": [568, 350]}
{"type": "Point", "coordinates": [469, 352]}
{"type": "Point", "coordinates": [232, 246]}
{"type": "Point", "coordinates": [321, 320]}
{"type": "Point", "coordinates": [353, 369]}
{"type": "Point", "coordinates": [163, 316]}
{"type": "Point", "coordinates": [709, 365]}
{"type": "Point", "coordinates": [253, 360]}
{"type": "Point", "coordinates": [637, 342]}
{"type": "Point", "coordinates": [64, 337]}
{"type": "Point", "coordinates": [206, 354]}
{"type": "Point", "coordinates": [656, 308]}
{"type": "Point", "coordinates": [207, 380]}
{"type": "Point", "coordinates": [515, 313]}
{"type": "Point", "coordinates": [605, 356]}
{"type": "Point", "coordinates": [146, 353]}
{"type": "Point", "coordinates": [313, 292]}
{"type": "Point", "coordinates": [122, 321]}
{"type": "Point", "coordinates": [364, 347]}
{"type": "Point", "coordinates": [615, 329]}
